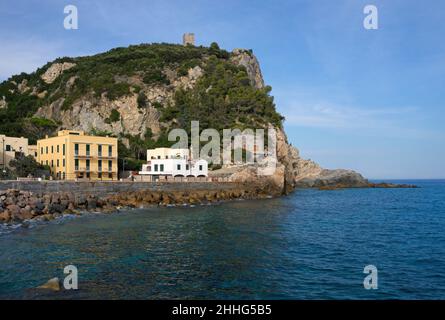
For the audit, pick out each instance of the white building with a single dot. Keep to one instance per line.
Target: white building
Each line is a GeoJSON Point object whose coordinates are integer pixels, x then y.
{"type": "Point", "coordinates": [174, 163]}
{"type": "Point", "coordinates": [10, 147]}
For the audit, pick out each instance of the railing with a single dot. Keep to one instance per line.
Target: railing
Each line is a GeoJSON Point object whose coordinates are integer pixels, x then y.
{"type": "Point", "coordinates": [93, 155]}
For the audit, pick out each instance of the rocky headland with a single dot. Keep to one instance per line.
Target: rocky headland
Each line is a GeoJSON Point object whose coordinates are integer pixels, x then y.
{"type": "Point", "coordinates": [140, 92]}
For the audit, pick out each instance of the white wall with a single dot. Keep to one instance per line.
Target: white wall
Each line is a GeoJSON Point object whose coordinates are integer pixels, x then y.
{"type": "Point", "coordinates": [171, 167]}
{"type": "Point", "coordinates": [167, 152]}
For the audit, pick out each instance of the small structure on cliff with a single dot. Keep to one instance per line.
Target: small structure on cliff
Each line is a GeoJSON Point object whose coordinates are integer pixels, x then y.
{"type": "Point", "coordinates": [188, 38]}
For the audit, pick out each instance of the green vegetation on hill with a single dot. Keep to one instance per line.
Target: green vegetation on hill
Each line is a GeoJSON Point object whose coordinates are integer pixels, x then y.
{"type": "Point", "coordinates": [222, 98]}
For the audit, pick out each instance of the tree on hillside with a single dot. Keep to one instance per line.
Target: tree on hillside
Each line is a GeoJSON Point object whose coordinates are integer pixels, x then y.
{"type": "Point", "coordinates": [24, 166]}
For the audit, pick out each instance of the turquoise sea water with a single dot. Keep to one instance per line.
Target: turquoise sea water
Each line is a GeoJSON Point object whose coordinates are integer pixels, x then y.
{"type": "Point", "coordinates": [309, 245]}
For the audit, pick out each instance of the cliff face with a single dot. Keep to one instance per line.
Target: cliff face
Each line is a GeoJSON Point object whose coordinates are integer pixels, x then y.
{"type": "Point", "coordinates": [139, 93]}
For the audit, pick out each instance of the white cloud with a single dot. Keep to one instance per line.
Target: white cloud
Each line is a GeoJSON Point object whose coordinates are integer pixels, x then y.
{"type": "Point", "coordinates": [329, 115]}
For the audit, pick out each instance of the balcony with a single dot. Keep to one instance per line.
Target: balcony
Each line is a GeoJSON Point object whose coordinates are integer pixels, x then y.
{"type": "Point", "coordinates": [94, 155]}
{"type": "Point", "coordinates": [81, 156]}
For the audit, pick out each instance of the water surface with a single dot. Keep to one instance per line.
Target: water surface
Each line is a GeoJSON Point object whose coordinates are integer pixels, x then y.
{"type": "Point", "coordinates": [310, 245]}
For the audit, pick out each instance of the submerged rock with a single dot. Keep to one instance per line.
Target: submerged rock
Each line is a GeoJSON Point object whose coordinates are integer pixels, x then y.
{"type": "Point", "coordinates": [52, 284]}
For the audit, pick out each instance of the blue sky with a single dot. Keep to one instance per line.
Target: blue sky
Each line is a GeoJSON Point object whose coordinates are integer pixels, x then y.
{"type": "Point", "coordinates": [369, 100]}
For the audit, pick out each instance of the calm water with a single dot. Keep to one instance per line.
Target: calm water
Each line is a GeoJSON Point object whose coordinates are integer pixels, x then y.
{"type": "Point", "coordinates": [310, 245]}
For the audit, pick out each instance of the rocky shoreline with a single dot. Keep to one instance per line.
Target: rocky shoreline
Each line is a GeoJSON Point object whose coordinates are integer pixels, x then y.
{"type": "Point", "coordinates": [382, 185]}
{"type": "Point", "coordinates": [17, 206]}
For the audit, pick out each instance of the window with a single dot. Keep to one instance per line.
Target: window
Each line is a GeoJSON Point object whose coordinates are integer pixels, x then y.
{"type": "Point", "coordinates": [99, 164]}
{"type": "Point", "coordinates": [63, 149]}
{"type": "Point", "coordinates": [99, 150]}
{"type": "Point", "coordinates": [63, 175]}
{"type": "Point", "coordinates": [8, 147]}
{"type": "Point", "coordinates": [88, 149]}
{"type": "Point", "coordinates": [99, 175]}
{"type": "Point", "coordinates": [110, 175]}
{"type": "Point", "coordinates": [46, 149]}
{"type": "Point", "coordinates": [200, 167]}
{"type": "Point", "coordinates": [58, 149]}
{"type": "Point", "coordinates": [110, 165]}
{"type": "Point", "coordinates": [52, 149]}
{"type": "Point", "coordinates": [41, 150]}
{"type": "Point", "coordinates": [159, 157]}
{"type": "Point", "coordinates": [58, 163]}
{"type": "Point", "coordinates": [161, 168]}
{"type": "Point", "coordinates": [76, 164]}
{"type": "Point", "coordinates": [35, 154]}
{"type": "Point", "coordinates": [76, 149]}
{"type": "Point", "coordinates": [52, 163]}
{"type": "Point", "coordinates": [46, 162]}
{"type": "Point", "coordinates": [156, 168]}
{"type": "Point", "coordinates": [149, 168]}
{"type": "Point", "coordinates": [110, 151]}
{"type": "Point", "coordinates": [88, 164]}
{"type": "Point", "coordinates": [187, 167]}
{"type": "Point", "coordinates": [63, 162]}
{"type": "Point", "coordinates": [166, 157]}
{"type": "Point", "coordinates": [178, 167]}
{"type": "Point", "coordinates": [88, 175]}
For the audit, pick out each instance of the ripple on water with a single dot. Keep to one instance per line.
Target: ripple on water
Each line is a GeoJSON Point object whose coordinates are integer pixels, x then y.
{"type": "Point", "coordinates": [309, 245]}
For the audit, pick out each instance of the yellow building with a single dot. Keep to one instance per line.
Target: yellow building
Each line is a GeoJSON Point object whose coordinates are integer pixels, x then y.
{"type": "Point", "coordinates": [74, 155]}
{"type": "Point", "coordinates": [10, 147]}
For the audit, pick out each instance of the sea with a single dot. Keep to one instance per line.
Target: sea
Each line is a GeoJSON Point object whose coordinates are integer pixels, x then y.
{"type": "Point", "coordinates": [310, 244]}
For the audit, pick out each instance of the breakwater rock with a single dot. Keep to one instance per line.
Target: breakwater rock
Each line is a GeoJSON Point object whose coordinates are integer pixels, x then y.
{"type": "Point", "coordinates": [19, 205]}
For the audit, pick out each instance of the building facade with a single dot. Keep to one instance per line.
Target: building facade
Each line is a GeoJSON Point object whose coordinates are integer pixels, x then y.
{"type": "Point", "coordinates": [174, 163]}
{"type": "Point", "coordinates": [10, 148]}
{"type": "Point", "coordinates": [73, 155]}
{"type": "Point", "coordinates": [167, 153]}
{"type": "Point", "coordinates": [32, 150]}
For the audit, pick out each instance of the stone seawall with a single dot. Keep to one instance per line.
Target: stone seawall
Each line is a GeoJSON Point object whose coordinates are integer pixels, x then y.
{"type": "Point", "coordinates": [46, 200]}
{"type": "Point", "coordinates": [108, 188]}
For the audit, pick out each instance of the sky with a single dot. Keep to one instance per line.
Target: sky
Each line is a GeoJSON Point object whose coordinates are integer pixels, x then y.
{"type": "Point", "coordinates": [368, 100]}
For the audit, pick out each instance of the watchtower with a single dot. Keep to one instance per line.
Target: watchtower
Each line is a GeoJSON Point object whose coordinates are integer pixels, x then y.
{"type": "Point", "coordinates": [188, 38]}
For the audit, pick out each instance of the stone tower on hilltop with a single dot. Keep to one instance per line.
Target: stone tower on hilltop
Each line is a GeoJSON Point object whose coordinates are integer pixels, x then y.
{"type": "Point", "coordinates": [188, 38]}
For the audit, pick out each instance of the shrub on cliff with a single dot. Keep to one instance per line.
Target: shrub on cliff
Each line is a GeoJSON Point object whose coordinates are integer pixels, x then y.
{"type": "Point", "coordinates": [24, 166]}
{"type": "Point", "coordinates": [221, 98]}
{"type": "Point", "coordinates": [114, 116]}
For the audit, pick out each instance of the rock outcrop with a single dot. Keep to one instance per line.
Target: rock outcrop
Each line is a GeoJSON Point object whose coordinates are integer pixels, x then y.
{"type": "Point", "coordinates": [52, 284]}
{"type": "Point", "coordinates": [3, 103]}
{"type": "Point", "coordinates": [248, 60]}
{"type": "Point", "coordinates": [89, 112]}
{"type": "Point", "coordinates": [55, 70]}
{"type": "Point", "coordinates": [303, 173]}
